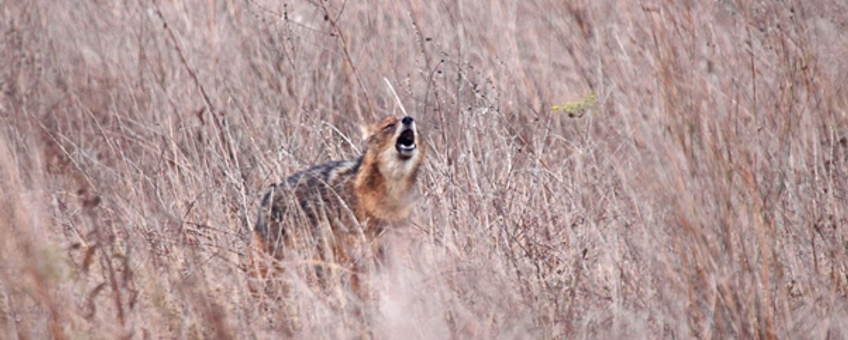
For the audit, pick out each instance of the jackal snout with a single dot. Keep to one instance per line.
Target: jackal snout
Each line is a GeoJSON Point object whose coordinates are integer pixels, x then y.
{"type": "Point", "coordinates": [406, 138]}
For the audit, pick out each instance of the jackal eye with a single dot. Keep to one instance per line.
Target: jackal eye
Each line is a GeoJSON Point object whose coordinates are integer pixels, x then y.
{"type": "Point", "coordinates": [389, 127]}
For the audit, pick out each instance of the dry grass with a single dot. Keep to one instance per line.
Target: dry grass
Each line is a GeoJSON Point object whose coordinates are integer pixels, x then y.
{"type": "Point", "coordinates": [702, 196]}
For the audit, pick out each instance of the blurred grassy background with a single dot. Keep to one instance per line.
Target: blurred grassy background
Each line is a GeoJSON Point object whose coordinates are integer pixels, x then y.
{"type": "Point", "coordinates": [702, 195]}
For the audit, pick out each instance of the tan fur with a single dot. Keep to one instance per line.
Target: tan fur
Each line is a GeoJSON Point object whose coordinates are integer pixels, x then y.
{"type": "Point", "coordinates": [347, 205]}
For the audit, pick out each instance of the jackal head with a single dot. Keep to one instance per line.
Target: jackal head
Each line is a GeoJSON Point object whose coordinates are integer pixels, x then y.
{"type": "Point", "coordinates": [396, 146]}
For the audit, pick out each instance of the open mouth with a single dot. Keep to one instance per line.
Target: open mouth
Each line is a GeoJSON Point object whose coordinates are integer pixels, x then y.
{"type": "Point", "coordinates": [406, 144]}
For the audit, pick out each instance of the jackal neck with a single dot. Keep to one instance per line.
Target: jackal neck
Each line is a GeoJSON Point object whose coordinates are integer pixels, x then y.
{"type": "Point", "coordinates": [383, 199]}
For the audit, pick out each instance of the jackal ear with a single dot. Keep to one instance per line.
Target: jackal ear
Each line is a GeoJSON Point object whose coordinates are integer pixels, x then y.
{"type": "Point", "coordinates": [367, 131]}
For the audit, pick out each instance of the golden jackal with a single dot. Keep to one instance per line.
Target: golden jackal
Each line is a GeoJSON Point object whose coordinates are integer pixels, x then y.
{"type": "Point", "coordinates": [341, 209]}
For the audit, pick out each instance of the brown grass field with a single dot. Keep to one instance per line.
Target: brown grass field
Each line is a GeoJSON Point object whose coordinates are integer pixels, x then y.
{"type": "Point", "coordinates": [703, 195]}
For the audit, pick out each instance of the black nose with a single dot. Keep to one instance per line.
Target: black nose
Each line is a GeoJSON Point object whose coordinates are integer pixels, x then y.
{"type": "Point", "coordinates": [406, 120]}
